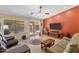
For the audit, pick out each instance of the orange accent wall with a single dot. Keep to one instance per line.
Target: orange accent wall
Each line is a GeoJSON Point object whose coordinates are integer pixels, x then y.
{"type": "Point", "coordinates": [69, 20]}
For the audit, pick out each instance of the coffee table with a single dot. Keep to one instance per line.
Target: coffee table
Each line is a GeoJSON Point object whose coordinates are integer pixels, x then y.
{"type": "Point", "coordinates": [47, 43]}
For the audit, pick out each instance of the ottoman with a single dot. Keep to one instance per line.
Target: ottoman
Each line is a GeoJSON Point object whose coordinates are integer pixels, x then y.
{"type": "Point", "coordinates": [20, 48]}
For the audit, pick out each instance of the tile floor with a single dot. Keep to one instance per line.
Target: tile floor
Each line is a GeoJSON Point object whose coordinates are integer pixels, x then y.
{"type": "Point", "coordinates": [36, 48]}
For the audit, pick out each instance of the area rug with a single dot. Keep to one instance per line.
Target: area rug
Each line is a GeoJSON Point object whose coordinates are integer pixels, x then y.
{"type": "Point", "coordinates": [35, 42]}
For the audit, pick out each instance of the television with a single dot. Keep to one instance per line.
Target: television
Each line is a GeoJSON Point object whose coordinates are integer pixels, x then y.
{"type": "Point", "coordinates": [55, 26]}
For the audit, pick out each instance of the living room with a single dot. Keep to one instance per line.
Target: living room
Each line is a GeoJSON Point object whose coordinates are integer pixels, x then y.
{"type": "Point", "coordinates": [40, 28]}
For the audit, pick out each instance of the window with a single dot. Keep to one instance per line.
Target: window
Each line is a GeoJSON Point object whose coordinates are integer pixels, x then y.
{"type": "Point", "coordinates": [37, 27]}
{"type": "Point", "coordinates": [14, 26]}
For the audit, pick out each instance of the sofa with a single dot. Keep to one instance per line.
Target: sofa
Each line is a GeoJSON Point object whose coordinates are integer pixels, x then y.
{"type": "Point", "coordinates": [13, 46]}
{"type": "Point", "coordinates": [11, 41]}
{"type": "Point", "coordinates": [66, 45]}
{"type": "Point", "coordinates": [74, 41]}
{"type": "Point", "coordinates": [59, 46]}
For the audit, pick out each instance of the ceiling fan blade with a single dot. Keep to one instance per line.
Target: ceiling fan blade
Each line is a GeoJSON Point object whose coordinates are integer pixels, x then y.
{"type": "Point", "coordinates": [47, 13]}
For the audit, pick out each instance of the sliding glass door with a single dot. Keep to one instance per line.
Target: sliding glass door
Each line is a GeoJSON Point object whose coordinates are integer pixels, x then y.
{"type": "Point", "coordinates": [1, 25]}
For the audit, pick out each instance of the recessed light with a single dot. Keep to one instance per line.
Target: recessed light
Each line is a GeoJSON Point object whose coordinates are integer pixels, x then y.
{"type": "Point", "coordinates": [65, 7]}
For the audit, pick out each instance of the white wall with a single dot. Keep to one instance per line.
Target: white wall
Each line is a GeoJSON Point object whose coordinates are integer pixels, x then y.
{"type": "Point", "coordinates": [26, 28]}
{"type": "Point", "coordinates": [1, 25]}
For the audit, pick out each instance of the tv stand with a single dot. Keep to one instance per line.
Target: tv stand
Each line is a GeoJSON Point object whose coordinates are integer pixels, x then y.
{"type": "Point", "coordinates": [54, 34]}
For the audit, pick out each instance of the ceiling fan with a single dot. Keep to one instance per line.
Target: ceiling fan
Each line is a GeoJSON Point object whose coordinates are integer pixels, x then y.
{"type": "Point", "coordinates": [40, 11]}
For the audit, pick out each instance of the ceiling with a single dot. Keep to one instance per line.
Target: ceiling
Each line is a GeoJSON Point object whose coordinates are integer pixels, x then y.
{"type": "Point", "coordinates": [33, 10]}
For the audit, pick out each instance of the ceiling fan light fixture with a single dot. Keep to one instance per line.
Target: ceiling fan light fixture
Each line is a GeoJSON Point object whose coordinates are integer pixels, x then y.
{"type": "Point", "coordinates": [47, 13]}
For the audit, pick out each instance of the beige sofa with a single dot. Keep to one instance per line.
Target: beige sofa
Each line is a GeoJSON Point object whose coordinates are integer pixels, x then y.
{"type": "Point", "coordinates": [74, 40]}
{"type": "Point", "coordinates": [59, 46]}
{"type": "Point", "coordinates": [63, 46]}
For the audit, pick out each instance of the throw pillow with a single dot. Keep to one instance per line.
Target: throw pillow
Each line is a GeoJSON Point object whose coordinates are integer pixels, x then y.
{"type": "Point", "coordinates": [73, 48]}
